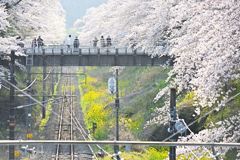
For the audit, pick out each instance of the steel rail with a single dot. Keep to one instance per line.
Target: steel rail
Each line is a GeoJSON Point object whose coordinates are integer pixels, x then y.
{"type": "Point", "coordinates": [83, 132]}
{"type": "Point", "coordinates": [71, 119]}
{"type": "Point", "coordinates": [59, 130]}
{"type": "Point", "coordinates": [66, 106]}
{"type": "Point", "coordinates": [75, 121]}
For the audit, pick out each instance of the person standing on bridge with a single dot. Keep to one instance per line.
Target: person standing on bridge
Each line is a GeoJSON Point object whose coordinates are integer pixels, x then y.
{"type": "Point", "coordinates": [34, 43]}
{"type": "Point", "coordinates": [69, 42]}
{"type": "Point", "coordinates": [109, 41]}
{"type": "Point", "coordinates": [39, 42]}
{"type": "Point", "coordinates": [20, 42]}
{"type": "Point", "coordinates": [76, 43]}
{"type": "Point", "coordinates": [102, 40]}
{"type": "Point", "coordinates": [95, 41]}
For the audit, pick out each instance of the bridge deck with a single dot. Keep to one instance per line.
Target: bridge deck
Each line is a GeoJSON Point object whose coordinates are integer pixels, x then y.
{"type": "Point", "coordinates": [61, 56]}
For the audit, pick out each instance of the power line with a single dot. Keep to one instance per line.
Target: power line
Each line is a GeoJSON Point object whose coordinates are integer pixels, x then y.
{"type": "Point", "coordinates": [37, 102]}
{"type": "Point", "coordinates": [82, 131]}
{"type": "Point", "coordinates": [30, 85]}
{"type": "Point", "coordinates": [26, 94]}
{"type": "Point", "coordinates": [200, 118]}
{"type": "Point", "coordinates": [5, 87]}
{"type": "Point", "coordinates": [207, 150]}
{"type": "Point", "coordinates": [28, 105]}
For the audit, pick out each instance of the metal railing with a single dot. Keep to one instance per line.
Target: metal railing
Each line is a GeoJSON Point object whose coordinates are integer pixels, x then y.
{"type": "Point", "coordinates": [84, 50]}
{"type": "Point", "coordinates": [75, 142]}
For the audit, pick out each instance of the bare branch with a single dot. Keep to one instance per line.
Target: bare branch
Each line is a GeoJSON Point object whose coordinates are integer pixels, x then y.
{"type": "Point", "coordinates": [10, 6]}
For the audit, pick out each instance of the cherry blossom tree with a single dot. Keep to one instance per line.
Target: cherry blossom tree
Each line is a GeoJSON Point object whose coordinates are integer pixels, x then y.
{"type": "Point", "coordinates": [29, 19]}
{"type": "Point", "coordinates": [129, 23]}
{"type": "Point", "coordinates": [4, 23]}
{"type": "Point", "coordinates": [202, 36]}
{"type": "Point", "coordinates": [205, 42]}
{"type": "Point", "coordinates": [223, 131]}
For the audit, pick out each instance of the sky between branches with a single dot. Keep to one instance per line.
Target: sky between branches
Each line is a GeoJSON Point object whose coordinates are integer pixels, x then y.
{"type": "Point", "coordinates": [75, 9]}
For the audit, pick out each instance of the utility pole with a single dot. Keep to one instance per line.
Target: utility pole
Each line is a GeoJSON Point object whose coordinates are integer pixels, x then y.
{"type": "Point", "coordinates": [12, 121]}
{"type": "Point", "coordinates": [117, 104]}
{"type": "Point", "coordinates": [52, 78]}
{"type": "Point", "coordinates": [29, 101]}
{"type": "Point", "coordinates": [53, 72]}
{"type": "Point", "coordinates": [173, 118]}
{"type": "Point", "coordinates": [44, 85]}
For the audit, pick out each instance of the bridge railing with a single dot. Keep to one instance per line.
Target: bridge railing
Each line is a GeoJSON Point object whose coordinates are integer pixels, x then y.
{"type": "Point", "coordinates": [84, 50]}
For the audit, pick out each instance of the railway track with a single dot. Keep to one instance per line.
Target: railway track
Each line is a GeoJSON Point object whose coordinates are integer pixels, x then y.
{"type": "Point", "coordinates": [66, 127]}
{"type": "Point", "coordinates": [70, 127]}
{"type": "Point", "coordinates": [64, 130]}
{"type": "Point", "coordinates": [87, 136]}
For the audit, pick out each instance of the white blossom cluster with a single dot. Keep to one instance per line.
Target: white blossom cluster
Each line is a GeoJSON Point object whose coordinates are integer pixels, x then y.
{"type": "Point", "coordinates": [28, 19]}
{"type": "Point", "coordinates": [201, 35]}
{"type": "Point", "coordinates": [227, 130]}
{"type": "Point", "coordinates": [132, 23]}
{"type": "Point", "coordinates": [160, 116]}
{"type": "Point", "coordinates": [206, 46]}
{"type": "Point", "coordinates": [162, 93]}
{"type": "Point", "coordinates": [3, 19]}
{"type": "Point", "coordinates": [5, 43]}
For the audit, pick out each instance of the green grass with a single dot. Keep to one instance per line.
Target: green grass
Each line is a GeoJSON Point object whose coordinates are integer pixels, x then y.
{"type": "Point", "coordinates": [49, 105]}
{"type": "Point", "coordinates": [149, 154]}
{"type": "Point", "coordinates": [231, 154]}
{"type": "Point", "coordinates": [143, 80]}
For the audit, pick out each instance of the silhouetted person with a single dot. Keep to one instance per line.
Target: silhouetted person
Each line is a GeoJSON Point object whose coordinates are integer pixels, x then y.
{"type": "Point", "coordinates": [109, 41]}
{"type": "Point", "coordinates": [39, 42]}
{"type": "Point", "coordinates": [102, 40]}
{"type": "Point", "coordinates": [95, 41]}
{"type": "Point", "coordinates": [34, 43]}
{"type": "Point", "coordinates": [20, 41]}
{"type": "Point", "coordinates": [76, 43]}
{"type": "Point", "coordinates": [69, 41]}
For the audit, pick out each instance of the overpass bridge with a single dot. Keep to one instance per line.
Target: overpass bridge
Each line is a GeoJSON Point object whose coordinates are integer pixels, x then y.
{"type": "Point", "coordinates": [60, 55]}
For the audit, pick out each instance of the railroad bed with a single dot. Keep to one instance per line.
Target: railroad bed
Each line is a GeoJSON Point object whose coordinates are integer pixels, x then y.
{"type": "Point", "coordinates": [67, 125]}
